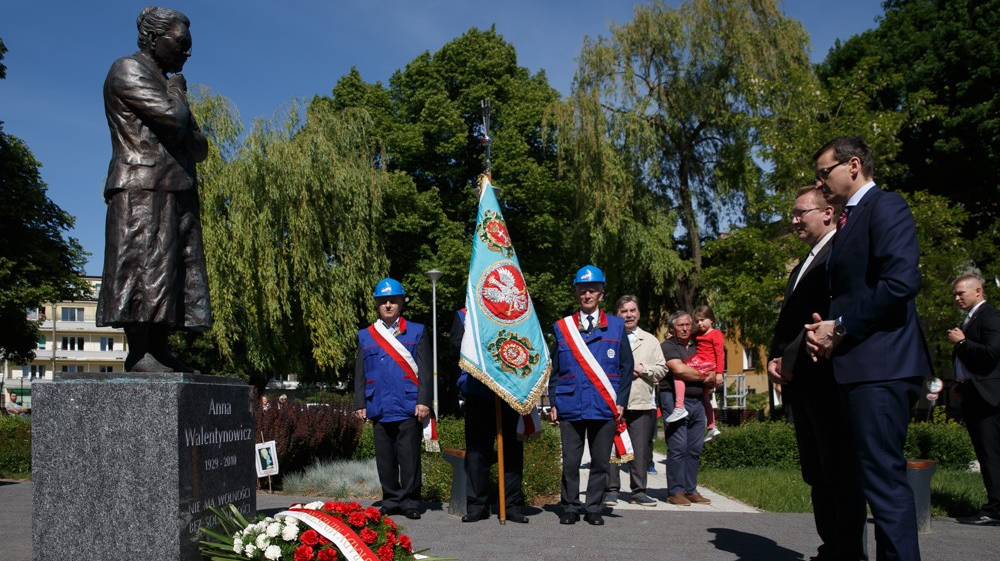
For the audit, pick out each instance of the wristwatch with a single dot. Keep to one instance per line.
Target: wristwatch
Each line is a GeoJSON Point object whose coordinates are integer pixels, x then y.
{"type": "Point", "coordinates": [838, 327]}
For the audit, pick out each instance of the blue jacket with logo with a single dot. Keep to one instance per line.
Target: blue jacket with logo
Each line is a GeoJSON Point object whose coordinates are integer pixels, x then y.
{"type": "Point", "coordinates": [571, 391]}
{"type": "Point", "coordinates": [379, 385]}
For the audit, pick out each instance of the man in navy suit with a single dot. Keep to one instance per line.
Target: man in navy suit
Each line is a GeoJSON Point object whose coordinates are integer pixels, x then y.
{"type": "Point", "coordinates": [826, 452]}
{"type": "Point", "coordinates": [873, 335]}
{"type": "Point", "coordinates": [977, 374]}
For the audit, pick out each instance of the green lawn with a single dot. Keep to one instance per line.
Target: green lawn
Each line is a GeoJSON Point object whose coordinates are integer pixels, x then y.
{"type": "Point", "coordinates": [953, 492]}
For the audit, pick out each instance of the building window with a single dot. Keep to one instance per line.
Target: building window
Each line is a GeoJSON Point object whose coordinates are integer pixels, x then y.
{"type": "Point", "coordinates": [33, 314]}
{"type": "Point", "coordinates": [105, 369]}
{"type": "Point", "coordinates": [72, 368]}
{"type": "Point", "coordinates": [748, 355]}
{"type": "Point", "coordinates": [107, 343]}
{"type": "Point", "coordinates": [41, 342]}
{"type": "Point", "coordinates": [32, 371]}
{"type": "Point", "coordinates": [72, 314]}
{"type": "Point", "coordinates": [72, 343]}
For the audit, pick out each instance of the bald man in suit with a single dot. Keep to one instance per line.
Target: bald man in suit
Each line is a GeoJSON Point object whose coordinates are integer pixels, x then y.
{"type": "Point", "coordinates": [977, 376]}
{"type": "Point", "coordinates": [829, 464]}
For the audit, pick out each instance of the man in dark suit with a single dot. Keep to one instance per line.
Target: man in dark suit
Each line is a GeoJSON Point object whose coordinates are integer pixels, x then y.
{"type": "Point", "coordinates": [977, 374]}
{"type": "Point", "coordinates": [873, 335]}
{"type": "Point", "coordinates": [829, 464]}
{"type": "Point", "coordinates": [154, 278]}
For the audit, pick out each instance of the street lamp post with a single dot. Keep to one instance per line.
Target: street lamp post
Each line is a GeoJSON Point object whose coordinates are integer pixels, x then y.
{"type": "Point", "coordinates": [434, 275]}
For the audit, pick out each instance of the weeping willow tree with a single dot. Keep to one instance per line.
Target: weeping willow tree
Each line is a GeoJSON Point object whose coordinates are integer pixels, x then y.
{"type": "Point", "coordinates": [291, 212]}
{"type": "Point", "coordinates": [662, 132]}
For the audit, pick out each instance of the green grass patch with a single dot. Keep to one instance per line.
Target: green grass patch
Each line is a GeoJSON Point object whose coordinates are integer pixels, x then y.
{"type": "Point", "coordinates": [953, 492]}
{"type": "Point", "coordinates": [769, 489]}
{"type": "Point", "coordinates": [15, 447]}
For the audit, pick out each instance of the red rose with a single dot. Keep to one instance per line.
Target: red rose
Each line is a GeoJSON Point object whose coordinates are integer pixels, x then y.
{"type": "Point", "coordinates": [303, 553]}
{"type": "Point", "coordinates": [390, 539]}
{"type": "Point", "coordinates": [373, 513]}
{"type": "Point", "coordinates": [328, 554]}
{"type": "Point", "coordinates": [385, 553]}
{"type": "Point", "coordinates": [310, 537]}
{"type": "Point", "coordinates": [405, 543]}
{"type": "Point", "coordinates": [368, 535]}
{"type": "Point", "coordinates": [356, 519]}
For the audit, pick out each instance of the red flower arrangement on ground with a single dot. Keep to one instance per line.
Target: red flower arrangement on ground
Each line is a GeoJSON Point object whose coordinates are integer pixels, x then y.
{"type": "Point", "coordinates": [317, 531]}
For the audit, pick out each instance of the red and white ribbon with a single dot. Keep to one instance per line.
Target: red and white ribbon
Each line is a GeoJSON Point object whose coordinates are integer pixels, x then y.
{"type": "Point", "coordinates": [528, 425]}
{"type": "Point", "coordinates": [336, 530]}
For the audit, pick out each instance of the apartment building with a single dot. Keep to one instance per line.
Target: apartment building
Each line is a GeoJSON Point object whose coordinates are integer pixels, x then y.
{"type": "Point", "coordinates": [70, 341]}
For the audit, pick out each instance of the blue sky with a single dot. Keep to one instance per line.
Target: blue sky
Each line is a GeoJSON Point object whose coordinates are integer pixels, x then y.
{"type": "Point", "coordinates": [262, 53]}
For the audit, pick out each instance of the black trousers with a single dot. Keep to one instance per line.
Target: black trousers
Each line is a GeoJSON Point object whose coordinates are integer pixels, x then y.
{"type": "Point", "coordinates": [397, 458]}
{"type": "Point", "coordinates": [480, 437]}
{"type": "Point", "coordinates": [983, 422]}
{"type": "Point", "coordinates": [599, 435]}
{"type": "Point", "coordinates": [640, 423]}
{"type": "Point", "coordinates": [829, 466]}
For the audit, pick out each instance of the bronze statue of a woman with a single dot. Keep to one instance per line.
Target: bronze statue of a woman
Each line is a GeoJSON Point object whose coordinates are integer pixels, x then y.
{"type": "Point", "coordinates": [154, 278]}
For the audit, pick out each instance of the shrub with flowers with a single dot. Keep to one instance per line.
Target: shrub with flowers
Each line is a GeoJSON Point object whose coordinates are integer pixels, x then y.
{"type": "Point", "coordinates": [316, 531]}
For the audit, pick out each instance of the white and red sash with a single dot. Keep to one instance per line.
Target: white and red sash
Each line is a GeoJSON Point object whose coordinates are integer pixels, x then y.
{"type": "Point", "coordinates": [336, 530]}
{"type": "Point", "coordinates": [392, 347]}
{"type": "Point", "coordinates": [622, 450]}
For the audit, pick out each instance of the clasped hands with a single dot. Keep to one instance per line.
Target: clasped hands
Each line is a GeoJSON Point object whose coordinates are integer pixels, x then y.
{"type": "Point", "coordinates": [820, 338]}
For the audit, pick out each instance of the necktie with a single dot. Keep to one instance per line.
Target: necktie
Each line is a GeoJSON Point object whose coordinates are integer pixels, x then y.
{"type": "Point", "coordinates": [965, 322]}
{"type": "Point", "coordinates": [590, 323]}
{"type": "Point", "coordinates": [842, 221]}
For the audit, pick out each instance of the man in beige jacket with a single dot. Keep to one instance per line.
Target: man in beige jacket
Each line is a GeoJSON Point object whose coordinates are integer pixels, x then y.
{"type": "Point", "coordinates": [640, 415]}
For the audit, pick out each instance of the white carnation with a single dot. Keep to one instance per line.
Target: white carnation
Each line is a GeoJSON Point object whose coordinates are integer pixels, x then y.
{"type": "Point", "coordinates": [273, 552]}
{"type": "Point", "coordinates": [237, 546]}
{"type": "Point", "coordinates": [249, 550]}
{"type": "Point", "coordinates": [262, 542]}
{"type": "Point", "coordinates": [290, 532]}
{"type": "Point", "coordinates": [273, 529]}
{"type": "Point", "coordinates": [316, 505]}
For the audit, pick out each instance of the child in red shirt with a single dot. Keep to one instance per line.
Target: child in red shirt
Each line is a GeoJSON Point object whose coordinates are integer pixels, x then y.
{"type": "Point", "coordinates": [708, 360]}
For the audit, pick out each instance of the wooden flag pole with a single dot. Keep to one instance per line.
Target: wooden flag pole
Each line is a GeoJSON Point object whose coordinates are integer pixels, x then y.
{"type": "Point", "coordinates": [501, 491]}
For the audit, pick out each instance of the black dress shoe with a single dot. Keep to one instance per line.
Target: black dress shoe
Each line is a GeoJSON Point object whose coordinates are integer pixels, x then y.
{"type": "Point", "coordinates": [594, 519]}
{"type": "Point", "coordinates": [390, 510]}
{"type": "Point", "coordinates": [569, 518]}
{"type": "Point", "coordinates": [473, 517]}
{"type": "Point", "coordinates": [516, 516]}
{"type": "Point", "coordinates": [412, 514]}
{"type": "Point", "coordinates": [981, 519]}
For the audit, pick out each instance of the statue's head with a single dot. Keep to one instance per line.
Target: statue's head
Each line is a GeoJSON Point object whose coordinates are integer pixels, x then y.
{"type": "Point", "coordinates": [165, 37]}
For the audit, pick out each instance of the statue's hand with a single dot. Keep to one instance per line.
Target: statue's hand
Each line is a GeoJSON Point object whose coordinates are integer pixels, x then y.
{"type": "Point", "coordinates": [179, 81]}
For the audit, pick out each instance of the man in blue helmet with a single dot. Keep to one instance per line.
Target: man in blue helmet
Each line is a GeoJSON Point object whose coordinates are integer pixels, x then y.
{"type": "Point", "coordinates": [392, 388]}
{"type": "Point", "coordinates": [590, 384]}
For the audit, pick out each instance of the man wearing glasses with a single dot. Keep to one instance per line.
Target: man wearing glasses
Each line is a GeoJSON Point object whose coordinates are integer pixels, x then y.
{"type": "Point", "coordinates": [872, 334]}
{"type": "Point", "coordinates": [829, 464]}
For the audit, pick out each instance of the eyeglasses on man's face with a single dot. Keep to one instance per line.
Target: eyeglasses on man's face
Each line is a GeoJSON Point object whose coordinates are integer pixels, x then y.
{"type": "Point", "coordinates": [797, 214]}
{"type": "Point", "coordinates": [823, 173]}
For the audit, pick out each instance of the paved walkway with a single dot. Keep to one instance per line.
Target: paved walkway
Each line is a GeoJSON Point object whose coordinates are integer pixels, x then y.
{"type": "Point", "coordinates": [723, 531]}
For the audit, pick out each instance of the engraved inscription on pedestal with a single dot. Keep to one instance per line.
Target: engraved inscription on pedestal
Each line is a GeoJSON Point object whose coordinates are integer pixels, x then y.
{"type": "Point", "coordinates": [215, 448]}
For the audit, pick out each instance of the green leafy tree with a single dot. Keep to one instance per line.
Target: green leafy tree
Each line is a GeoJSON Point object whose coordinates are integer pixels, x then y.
{"type": "Point", "coordinates": [430, 118]}
{"type": "Point", "coordinates": [38, 263]}
{"type": "Point", "coordinates": [943, 59]}
{"type": "Point", "coordinates": [666, 116]}
{"type": "Point", "coordinates": [292, 215]}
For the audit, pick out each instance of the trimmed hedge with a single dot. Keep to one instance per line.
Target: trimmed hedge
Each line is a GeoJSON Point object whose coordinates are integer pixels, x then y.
{"type": "Point", "coordinates": [772, 444]}
{"type": "Point", "coordinates": [753, 444]}
{"type": "Point", "coordinates": [303, 435]}
{"type": "Point", "coordinates": [15, 445]}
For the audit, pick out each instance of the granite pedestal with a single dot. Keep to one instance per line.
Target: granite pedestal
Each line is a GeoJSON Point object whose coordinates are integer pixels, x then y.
{"type": "Point", "coordinates": [125, 465]}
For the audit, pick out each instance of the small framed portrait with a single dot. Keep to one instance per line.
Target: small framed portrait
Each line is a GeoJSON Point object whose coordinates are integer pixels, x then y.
{"type": "Point", "coordinates": [267, 459]}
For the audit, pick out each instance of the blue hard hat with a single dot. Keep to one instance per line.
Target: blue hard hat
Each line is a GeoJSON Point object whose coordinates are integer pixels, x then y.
{"type": "Point", "coordinates": [589, 273]}
{"type": "Point", "coordinates": [388, 287]}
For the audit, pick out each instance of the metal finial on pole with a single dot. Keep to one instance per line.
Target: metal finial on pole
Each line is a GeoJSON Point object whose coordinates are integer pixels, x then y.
{"type": "Point", "coordinates": [486, 139]}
